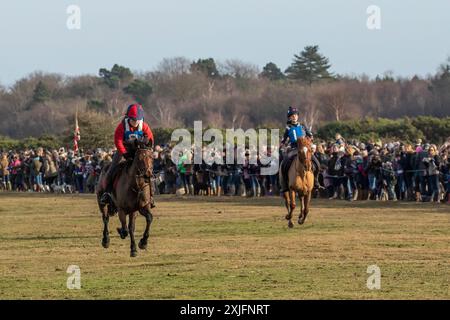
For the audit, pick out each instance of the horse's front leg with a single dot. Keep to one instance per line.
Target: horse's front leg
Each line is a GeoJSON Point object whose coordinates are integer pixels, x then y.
{"type": "Point", "coordinates": [131, 229]}
{"type": "Point", "coordinates": [123, 231]}
{"type": "Point", "coordinates": [287, 203]}
{"type": "Point", "coordinates": [291, 207]}
{"type": "Point", "coordinates": [105, 217]}
{"type": "Point", "coordinates": [302, 205]}
{"type": "Point", "coordinates": [307, 200]}
{"type": "Point", "coordinates": [145, 211]}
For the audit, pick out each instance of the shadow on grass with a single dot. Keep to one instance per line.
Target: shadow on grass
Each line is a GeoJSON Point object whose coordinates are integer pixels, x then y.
{"type": "Point", "coordinates": [59, 237]}
{"type": "Point", "coordinates": [14, 194]}
{"type": "Point", "coordinates": [276, 201]}
{"type": "Point", "coordinates": [317, 202]}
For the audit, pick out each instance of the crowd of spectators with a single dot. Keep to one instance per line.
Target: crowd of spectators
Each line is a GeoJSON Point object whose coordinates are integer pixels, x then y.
{"type": "Point", "coordinates": [350, 170]}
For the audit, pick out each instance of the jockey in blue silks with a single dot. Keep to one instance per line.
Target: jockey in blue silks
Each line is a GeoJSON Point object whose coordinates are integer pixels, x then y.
{"type": "Point", "coordinates": [294, 130]}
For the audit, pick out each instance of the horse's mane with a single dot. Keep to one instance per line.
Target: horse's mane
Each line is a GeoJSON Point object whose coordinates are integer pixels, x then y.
{"type": "Point", "coordinates": [303, 142]}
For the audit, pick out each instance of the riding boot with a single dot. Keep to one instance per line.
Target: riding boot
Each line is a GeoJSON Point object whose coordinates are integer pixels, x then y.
{"type": "Point", "coordinates": [106, 196]}
{"type": "Point", "coordinates": [284, 181]}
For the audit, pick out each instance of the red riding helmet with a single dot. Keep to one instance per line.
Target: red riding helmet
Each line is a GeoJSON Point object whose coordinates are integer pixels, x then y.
{"type": "Point", "coordinates": [135, 112]}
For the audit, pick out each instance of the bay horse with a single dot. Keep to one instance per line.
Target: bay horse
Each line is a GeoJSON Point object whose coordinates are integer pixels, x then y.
{"type": "Point", "coordinates": [132, 193]}
{"type": "Point", "coordinates": [300, 181]}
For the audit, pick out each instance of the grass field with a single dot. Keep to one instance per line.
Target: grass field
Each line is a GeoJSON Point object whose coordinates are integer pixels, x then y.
{"type": "Point", "coordinates": [227, 248]}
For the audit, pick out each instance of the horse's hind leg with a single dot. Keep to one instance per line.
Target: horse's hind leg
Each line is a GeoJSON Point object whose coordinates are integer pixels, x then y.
{"type": "Point", "coordinates": [302, 206]}
{"type": "Point", "coordinates": [131, 228]}
{"type": "Point", "coordinates": [148, 219]}
{"type": "Point", "coordinates": [123, 231]}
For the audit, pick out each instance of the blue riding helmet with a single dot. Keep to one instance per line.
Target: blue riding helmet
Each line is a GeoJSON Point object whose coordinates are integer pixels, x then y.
{"type": "Point", "coordinates": [292, 111]}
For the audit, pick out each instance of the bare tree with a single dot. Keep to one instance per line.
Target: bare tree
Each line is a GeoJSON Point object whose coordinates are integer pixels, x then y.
{"type": "Point", "coordinates": [173, 67]}
{"type": "Point", "coordinates": [336, 100]}
{"type": "Point", "coordinates": [239, 69]}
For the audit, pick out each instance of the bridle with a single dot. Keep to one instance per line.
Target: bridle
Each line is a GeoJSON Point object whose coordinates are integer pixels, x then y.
{"type": "Point", "coordinates": [143, 171]}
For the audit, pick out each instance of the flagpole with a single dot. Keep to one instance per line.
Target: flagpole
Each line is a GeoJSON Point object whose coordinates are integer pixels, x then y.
{"type": "Point", "coordinates": [76, 134]}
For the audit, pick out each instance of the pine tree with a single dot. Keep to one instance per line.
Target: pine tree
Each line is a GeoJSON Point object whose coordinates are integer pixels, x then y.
{"type": "Point", "coordinates": [272, 72]}
{"type": "Point", "coordinates": [206, 66]}
{"type": "Point", "coordinates": [41, 93]}
{"type": "Point", "coordinates": [116, 76]}
{"type": "Point", "coordinates": [309, 66]}
{"type": "Point", "coordinates": [139, 89]}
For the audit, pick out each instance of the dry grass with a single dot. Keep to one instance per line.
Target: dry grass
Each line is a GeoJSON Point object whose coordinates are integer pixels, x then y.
{"type": "Point", "coordinates": [229, 248]}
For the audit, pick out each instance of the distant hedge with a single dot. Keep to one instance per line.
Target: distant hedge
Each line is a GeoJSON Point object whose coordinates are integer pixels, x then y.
{"type": "Point", "coordinates": [430, 129]}
{"type": "Point", "coordinates": [46, 141]}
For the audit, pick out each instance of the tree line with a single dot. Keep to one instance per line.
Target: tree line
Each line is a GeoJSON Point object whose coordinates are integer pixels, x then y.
{"type": "Point", "coordinates": [407, 130]}
{"type": "Point", "coordinates": [229, 94]}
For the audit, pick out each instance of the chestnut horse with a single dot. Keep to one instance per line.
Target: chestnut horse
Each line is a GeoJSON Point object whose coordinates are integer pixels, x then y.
{"type": "Point", "coordinates": [131, 194]}
{"type": "Point", "coordinates": [300, 181]}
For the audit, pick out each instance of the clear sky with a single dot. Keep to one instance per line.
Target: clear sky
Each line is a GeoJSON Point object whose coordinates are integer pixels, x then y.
{"type": "Point", "coordinates": [414, 37]}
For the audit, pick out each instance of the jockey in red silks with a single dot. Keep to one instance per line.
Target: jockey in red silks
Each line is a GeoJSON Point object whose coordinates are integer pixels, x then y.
{"type": "Point", "coordinates": [131, 128]}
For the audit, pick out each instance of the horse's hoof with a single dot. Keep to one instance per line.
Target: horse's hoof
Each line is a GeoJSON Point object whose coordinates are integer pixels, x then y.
{"type": "Point", "coordinates": [290, 224]}
{"type": "Point", "coordinates": [105, 243]}
{"type": "Point", "coordinates": [122, 233]}
{"type": "Point", "coordinates": [301, 220]}
{"type": "Point", "coordinates": [142, 245]}
{"type": "Point", "coordinates": [133, 254]}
